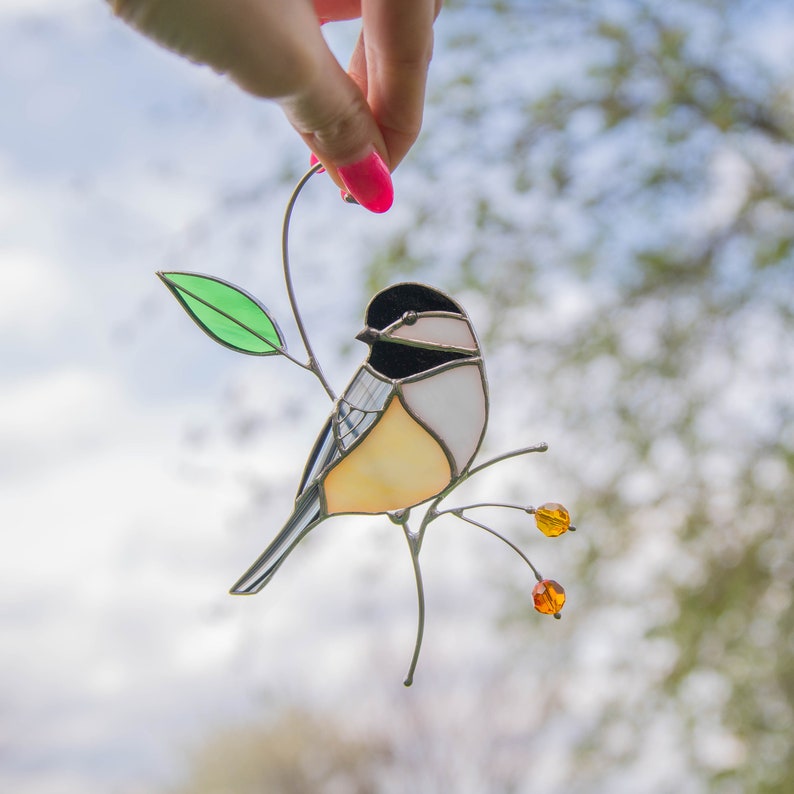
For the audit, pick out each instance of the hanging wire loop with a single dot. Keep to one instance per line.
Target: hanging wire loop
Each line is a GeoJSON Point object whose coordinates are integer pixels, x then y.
{"type": "Point", "coordinates": [313, 365]}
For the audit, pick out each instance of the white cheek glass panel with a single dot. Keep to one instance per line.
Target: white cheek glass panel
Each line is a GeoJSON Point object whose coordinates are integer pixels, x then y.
{"type": "Point", "coordinates": [450, 331]}
{"type": "Point", "coordinates": [452, 404]}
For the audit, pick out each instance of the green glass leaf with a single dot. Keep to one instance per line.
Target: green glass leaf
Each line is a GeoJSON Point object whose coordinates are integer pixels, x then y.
{"type": "Point", "coordinates": [227, 313]}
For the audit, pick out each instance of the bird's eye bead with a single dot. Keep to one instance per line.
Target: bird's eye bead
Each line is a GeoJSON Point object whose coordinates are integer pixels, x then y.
{"type": "Point", "coordinates": [410, 317]}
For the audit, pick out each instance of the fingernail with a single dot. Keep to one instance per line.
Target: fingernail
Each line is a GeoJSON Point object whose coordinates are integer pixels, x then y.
{"type": "Point", "coordinates": [323, 20]}
{"type": "Point", "coordinates": [369, 182]}
{"type": "Point", "coordinates": [347, 197]}
{"type": "Point", "coordinates": [313, 161]}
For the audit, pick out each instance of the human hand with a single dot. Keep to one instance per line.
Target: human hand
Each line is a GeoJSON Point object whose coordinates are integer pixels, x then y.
{"type": "Point", "coordinates": [360, 124]}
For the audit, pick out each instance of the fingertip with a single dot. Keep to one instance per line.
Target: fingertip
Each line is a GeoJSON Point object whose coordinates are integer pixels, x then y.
{"type": "Point", "coordinates": [369, 182]}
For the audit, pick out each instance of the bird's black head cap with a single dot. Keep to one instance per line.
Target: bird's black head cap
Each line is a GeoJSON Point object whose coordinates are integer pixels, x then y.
{"type": "Point", "coordinates": [390, 304]}
{"type": "Point", "coordinates": [396, 360]}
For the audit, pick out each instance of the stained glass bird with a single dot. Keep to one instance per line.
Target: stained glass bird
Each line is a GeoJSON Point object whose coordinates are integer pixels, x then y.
{"type": "Point", "coordinates": [406, 427]}
{"type": "Point", "coordinates": [404, 432]}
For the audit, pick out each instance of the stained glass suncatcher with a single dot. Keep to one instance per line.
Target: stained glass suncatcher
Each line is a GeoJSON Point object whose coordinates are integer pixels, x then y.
{"type": "Point", "coordinates": [405, 432]}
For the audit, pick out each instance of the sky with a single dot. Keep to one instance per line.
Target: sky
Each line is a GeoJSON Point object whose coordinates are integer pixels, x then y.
{"type": "Point", "coordinates": [143, 468]}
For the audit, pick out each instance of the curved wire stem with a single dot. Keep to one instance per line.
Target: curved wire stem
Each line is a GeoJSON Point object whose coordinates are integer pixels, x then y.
{"type": "Point", "coordinates": [415, 539]}
{"type": "Point", "coordinates": [433, 512]}
{"type": "Point", "coordinates": [541, 447]}
{"type": "Point", "coordinates": [523, 508]}
{"type": "Point", "coordinates": [312, 364]}
{"type": "Point", "coordinates": [420, 596]}
{"type": "Point", "coordinates": [459, 514]}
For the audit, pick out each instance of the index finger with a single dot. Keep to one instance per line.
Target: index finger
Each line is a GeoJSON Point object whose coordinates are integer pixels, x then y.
{"type": "Point", "coordinates": [398, 46]}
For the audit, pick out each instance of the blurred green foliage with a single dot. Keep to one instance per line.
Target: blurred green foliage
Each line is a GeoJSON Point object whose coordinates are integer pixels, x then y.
{"type": "Point", "coordinates": [623, 183]}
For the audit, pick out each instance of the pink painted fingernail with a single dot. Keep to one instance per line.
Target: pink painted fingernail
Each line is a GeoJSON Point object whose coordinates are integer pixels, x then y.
{"type": "Point", "coordinates": [313, 161]}
{"type": "Point", "coordinates": [369, 182]}
{"type": "Point", "coordinates": [323, 21]}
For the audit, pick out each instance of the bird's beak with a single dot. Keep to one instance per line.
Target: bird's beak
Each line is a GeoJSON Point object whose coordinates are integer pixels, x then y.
{"type": "Point", "coordinates": [368, 335]}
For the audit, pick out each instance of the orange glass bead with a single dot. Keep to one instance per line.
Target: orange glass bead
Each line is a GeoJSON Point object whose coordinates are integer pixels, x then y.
{"type": "Point", "coordinates": [549, 596]}
{"type": "Point", "coordinates": [552, 519]}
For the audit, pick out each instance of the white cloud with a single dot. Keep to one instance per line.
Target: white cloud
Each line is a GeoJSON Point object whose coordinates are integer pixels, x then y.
{"type": "Point", "coordinates": [17, 8]}
{"type": "Point", "coordinates": [53, 414]}
{"type": "Point", "coordinates": [34, 292]}
{"type": "Point", "coordinates": [731, 177]}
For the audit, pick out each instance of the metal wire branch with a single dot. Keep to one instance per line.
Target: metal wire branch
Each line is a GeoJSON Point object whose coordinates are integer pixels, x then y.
{"type": "Point", "coordinates": [459, 514]}
{"type": "Point", "coordinates": [312, 364]}
{"type": "Point", "coordinates": [420, 595]}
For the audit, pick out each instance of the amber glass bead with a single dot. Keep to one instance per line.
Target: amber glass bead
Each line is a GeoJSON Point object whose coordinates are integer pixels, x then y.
{"type": "Point", "coordinates": [549, 596]}
{"type": "Point", "coordinates": [552, 519]}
